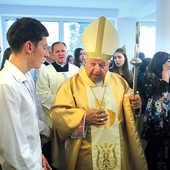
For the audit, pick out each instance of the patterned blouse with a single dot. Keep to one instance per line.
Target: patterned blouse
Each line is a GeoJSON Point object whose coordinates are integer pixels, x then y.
{"type": "Point", "coordinates": [156, 112]}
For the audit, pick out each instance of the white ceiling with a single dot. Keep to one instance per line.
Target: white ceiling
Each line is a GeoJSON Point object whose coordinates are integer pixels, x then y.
{"type": "Point", "coordinates": [140, 9]}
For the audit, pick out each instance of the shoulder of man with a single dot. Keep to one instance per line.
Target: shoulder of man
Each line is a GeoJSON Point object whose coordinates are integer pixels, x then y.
{"type": "Point", "coordinates": [72, 66]}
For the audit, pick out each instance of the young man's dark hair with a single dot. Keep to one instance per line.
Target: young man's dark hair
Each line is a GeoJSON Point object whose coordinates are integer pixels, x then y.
{"type": "Point", "coordinates": [25, 29]}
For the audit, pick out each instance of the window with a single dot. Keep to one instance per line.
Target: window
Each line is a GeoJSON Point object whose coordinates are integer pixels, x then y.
{"type": "Point", "coordinates": [9, 23]}
{"type": "Point", "coordinates": [72, 34]}
{"type": "Point", "coordinates": [147, 40]}
{"type": "Point", "coordinates": [53, 29]}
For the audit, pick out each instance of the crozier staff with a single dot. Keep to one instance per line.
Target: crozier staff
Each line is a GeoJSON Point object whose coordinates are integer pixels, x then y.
{"type": "Point", "coordinates": [136, 61]}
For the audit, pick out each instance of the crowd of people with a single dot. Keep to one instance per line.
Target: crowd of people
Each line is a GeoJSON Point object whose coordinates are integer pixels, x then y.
{"type": "Point", "coordinates": [76, 112]}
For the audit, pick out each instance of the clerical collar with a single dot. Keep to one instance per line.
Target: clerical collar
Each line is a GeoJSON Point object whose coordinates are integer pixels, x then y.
{"type": "Point", "coordinates": [46, 63]}
{"type": "Point", "coordinates": [60, 68]}
{"type": "Point", "coordinates": [99, 84]}
{"type": "Point", "coordinates": [62, 65]}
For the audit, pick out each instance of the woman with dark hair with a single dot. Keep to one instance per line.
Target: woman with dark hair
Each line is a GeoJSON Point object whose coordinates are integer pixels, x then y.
{"type": "Point", "coordinates": [140, 80]}
{"type": "Point", "coordinates": [6, 56]}
{"type": "Point", "coordinates": [140, 87]}
{"type": "Point", "coordinates": [70, 59]}
{"type": "Point", "coordinates": [120, 65]}
{"type": "Point", "coordinates": [79, 57]}
{"type": "Point", "coordinates": [156, 121]}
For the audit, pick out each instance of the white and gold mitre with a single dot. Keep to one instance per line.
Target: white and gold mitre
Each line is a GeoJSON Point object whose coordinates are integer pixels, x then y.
{"type": "Point", "coordinates": [100, 39]}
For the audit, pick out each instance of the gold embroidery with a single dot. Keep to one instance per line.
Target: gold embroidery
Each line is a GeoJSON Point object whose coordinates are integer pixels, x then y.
{"type": "Point", "coordinates": [106, 157]}
{"type": "Point", "coordinates": [64, 75]}
{"type": "Point", "coordinates": [100, 35]}
{"type": "Point", "coordinates": [112, 117]}
{"type": "Point", "coordinates": [98, 55]}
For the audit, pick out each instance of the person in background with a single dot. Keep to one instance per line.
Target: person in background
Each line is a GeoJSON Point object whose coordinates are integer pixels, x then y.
{"type": "Point", "coordinates": [50, 78]}
{"type": "Point", "coordinates": [140, 80]}
{"type": "Point", "coordinates": [156, 118]}
{"type": "Point", "coordinates": [140, 87]}
{"type": "Point", "coordinates": [79, 57]}
{"type": "Point", "coordinates": [49, 58]}
{"type": "Point", "coordinates": [141, 55]}
{"type": "Point", "coordinates": [120, 65]}
{"type": "Point", "coordinates": [92, 111]}
{"type": "Point", "coordinates": [6, 56]}
{"type": "Point", "coordinates": [20, 143]}
{"type": "Point", "coordinates": [70, 59]}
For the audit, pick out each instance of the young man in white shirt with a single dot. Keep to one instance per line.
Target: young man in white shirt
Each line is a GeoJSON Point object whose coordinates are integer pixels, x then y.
{"type": "Point", "coordinates": [20, 144]}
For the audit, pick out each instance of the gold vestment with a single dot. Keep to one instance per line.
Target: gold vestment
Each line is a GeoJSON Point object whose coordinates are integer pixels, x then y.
{"type": "Point", "coordinates": [69, 107]}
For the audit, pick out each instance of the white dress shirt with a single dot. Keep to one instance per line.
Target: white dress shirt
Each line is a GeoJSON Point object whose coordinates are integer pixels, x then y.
{"type": "Point", "coordinates": [20, 144]}
{"type": "Point", "coordinates": [43, 127]}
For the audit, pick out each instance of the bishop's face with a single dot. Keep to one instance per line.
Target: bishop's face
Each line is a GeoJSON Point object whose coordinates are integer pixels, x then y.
{"type": "Point", "coordinates": [96, 69]}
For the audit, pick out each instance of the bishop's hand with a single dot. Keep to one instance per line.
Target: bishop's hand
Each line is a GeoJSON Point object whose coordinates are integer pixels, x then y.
{"type": "Point", "coordinates": [96, 116]}
{"type": "Point", "coordinates": [135, 101]}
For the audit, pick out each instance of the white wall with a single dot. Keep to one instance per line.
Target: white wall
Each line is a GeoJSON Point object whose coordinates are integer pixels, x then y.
{"type": "Point", "coordinates": [163, 26]}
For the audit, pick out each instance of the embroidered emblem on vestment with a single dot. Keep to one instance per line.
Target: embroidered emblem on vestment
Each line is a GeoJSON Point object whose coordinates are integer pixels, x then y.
{"type": "Point", "coordinates": [106, 157]}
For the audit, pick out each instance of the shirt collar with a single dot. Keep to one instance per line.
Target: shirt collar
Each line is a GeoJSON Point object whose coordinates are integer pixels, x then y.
{"type": "Point", "coordinates": [62, 65]}
{"type": "Point", "coordinates": [17, 74]}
